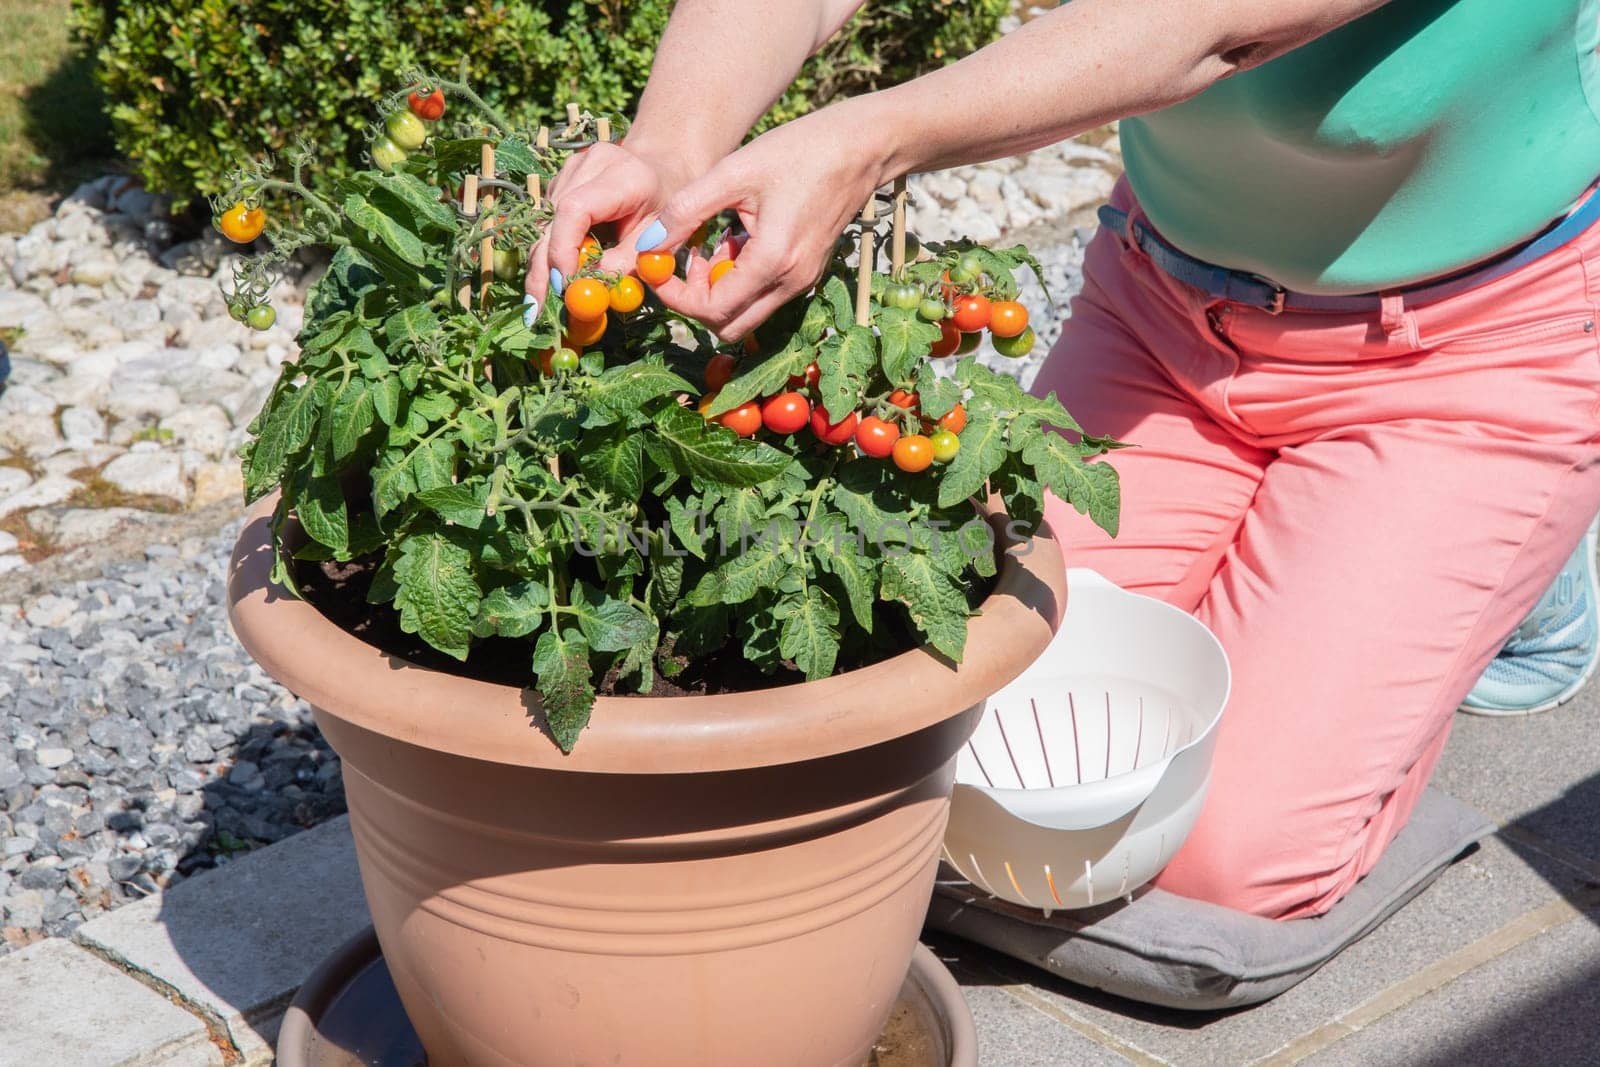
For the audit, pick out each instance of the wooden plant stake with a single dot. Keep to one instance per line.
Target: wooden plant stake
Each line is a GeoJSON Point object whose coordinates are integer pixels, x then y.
{"type": "Point", "coordinates": [543, 140]}
{"type": "Point", "coordinates": [574, 117]}
{"type": "Point", "coordinates": [898, 248]}
{"type": "Point", "coordinates": [869, 215]}
{"type": "Point", "coordinates": [486, 248]}
{"type": "Point", "coordinates": [469, 208]}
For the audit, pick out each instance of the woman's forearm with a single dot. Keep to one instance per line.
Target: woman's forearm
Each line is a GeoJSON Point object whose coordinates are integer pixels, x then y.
{"type": "Point", "coordinates": [1087, 63]}
{"type": "Point", "coordinates": [720, 65]}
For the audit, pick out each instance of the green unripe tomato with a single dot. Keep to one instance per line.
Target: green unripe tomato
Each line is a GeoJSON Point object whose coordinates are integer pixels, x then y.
{"type": "Point", "coordinates": [969, 344]}
{"type": "Point", "coordinates": [913, 248]}
{"type": "Point", "coordinates": [904, 296]}
{"type": "Point", "coordinates": [945, 446]}
{"type": "Point", "coordinates": [507, 264]}
{"type": "Point", "coordinates": [959, 274]}
{"type": "Point", "coordinates": [406, 130]}
{"type": "Point", "coordinates": [386, 155]}
{"type": "Point", "coordinates": [1018, 346]}
{"type": "Point", "coordinates": [564, 359]}
{"type": "Point", "coordinates": [261, 317]}
{"type": "Point", "coordinates": [931, 309]}
{"type": "Point", "coordinates": [970, 264]}
{"type": "Point", "coordinates": [237, 311]}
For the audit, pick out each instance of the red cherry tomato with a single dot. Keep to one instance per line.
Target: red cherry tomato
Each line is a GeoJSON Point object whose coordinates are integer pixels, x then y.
{"type": "Point", "coordinates": [949, 340]}
{"type": "Point", "coordinates": [954, 420]}
{"type": "Point", "coordinates": [786, 413]}
{"type": "Point", "coordinates": [902, 398]}
{"type": "Point", "coordinates": [1007, 318]}
{"type": "Point", "coordinates": [743, 420]}
{"type": "Point", "coordinates": [830, 432]}
{"type": "Point", "coordinates": [429, 106]}
{"type": "Point", "coordinates": [810, 376]}
{"type": "Point", "coordinates": [913, 454]}
{"type": "Point", "coordinates": [719, 369]}
{"type": "Point", "coordinates": [875, 437]}
{"type": "Point", "coordinates": [972, 313]}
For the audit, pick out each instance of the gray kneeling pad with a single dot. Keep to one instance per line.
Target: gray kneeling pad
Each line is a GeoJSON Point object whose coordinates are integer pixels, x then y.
{"type": "Point", "coordinates": [1181, 953]}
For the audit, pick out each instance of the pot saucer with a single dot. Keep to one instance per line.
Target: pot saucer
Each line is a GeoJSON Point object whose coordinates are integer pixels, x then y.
{"type": "Point", "coordinates": [348, 1015]}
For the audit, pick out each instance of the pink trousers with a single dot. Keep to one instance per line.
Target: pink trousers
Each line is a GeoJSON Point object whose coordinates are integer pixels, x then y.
{"type": "Point", "coordinates": [1361, 507]}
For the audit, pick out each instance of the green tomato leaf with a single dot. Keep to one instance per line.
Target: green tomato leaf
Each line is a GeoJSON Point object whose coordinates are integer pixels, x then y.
{"type": "Point", "coordinates": [609, 624]}
{"type": "Point", "coordinates": [713, 452]}
{"type": "Point", "coordinates": [937, 394]}
{"type": "Point", "coordinates": [769, 377]}
{"type": "Point", "coordinates": [285, 430]}
{"type": "Point", "coordinates": [754, 566]}
{"type": "Point", "coordinates": [409, 325]}
{"type": "Point", "coordinates": [514, 610]}
{"type": "Point", "coordinates": [809, 635]}
{"type": "Point", "coordinates": [936, 604]}
{"type": "Point", "coordinates": [840, 302]}
{"type": "Point", "coordinates": [906, 340]}
{"type": "Point", "coordinates": [463, 504]}
{"type": "Point", "coordinates": [321, 509]}
{"type": "Point", "coordinates": [846, 361]}
{"type": "Point", "coordinates": [391, 232]}
{"type": "Point", "coordinates": [624, 389]}
{"type": "Point", "coordinates": [983, 450]}
{"type": "Point", "coordinates": [352, 416]}
{"type": "Point", "coordinates": [1092, 488]}
{"type": "Point", "coordinates": [437, 595]}
{"type": "Point", "coordinates": [832, 544]}
{"type": "Point", "coordinates": [614, 461]}
{"type": "Point", "coordinates": [561, 661]}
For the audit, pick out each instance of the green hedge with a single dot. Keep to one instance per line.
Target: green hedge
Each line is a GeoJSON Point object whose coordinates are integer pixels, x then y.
{"type": "Point", "coordinates": [196, 85]}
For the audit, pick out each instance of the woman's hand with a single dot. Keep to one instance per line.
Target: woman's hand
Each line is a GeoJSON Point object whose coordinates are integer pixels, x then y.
{"type": "Point", "coordinates": [794, 187]}
{"type": "Point", "coordinates": [605, 183]}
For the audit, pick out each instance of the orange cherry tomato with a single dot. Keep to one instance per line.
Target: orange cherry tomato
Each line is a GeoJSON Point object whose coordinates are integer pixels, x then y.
{"type": "Point", "coordinates": [627, 296]}
{"type": "Point", "coordinates": [589, 251]}
{"type": "Point", "coordinates": [875, 437]}
{"type": "Point", "coordinates": [241, 224]}
{"type": "Point", "coordinates": [719, 369]}
{"type": "Point", "coordinates": [786, 413]}
{"type": "Point", "coordinates": [913, 454]}
{"type": "Point", "coordinates": [972, 313]}
{"type": "Point", "coordinates": [581, 333]}
{"type": "Point", "coordinates": [743, 420]}
{"type": "Point", "coordinates": [949, 340]}
{"type": "Point", "coordinates": [654, 268]}
{"type": "Point", "coordinates": [705, 402]}
{"type": "Point", "coordinates": [1007, 318]}
{"type": "Point", "coordinates": [587, 299]}
{"type": "Point", "coordinates": [954, 420]}
{"type": "Point", "coordinates": [830, 432]}
{"type": "Point", "coordinates": [720, 269]}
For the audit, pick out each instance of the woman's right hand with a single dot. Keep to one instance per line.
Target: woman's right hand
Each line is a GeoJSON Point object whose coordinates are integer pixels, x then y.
{"type": "Point", "coordinates": [604, 183]}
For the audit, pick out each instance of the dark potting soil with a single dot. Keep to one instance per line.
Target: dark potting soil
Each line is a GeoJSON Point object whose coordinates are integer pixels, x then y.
{"type": "Point", "coordinates": [339, 591]}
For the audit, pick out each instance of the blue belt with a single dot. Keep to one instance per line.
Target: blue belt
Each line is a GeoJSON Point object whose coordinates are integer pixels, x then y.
{"type": "Point", "coordinates": [1252, 290]}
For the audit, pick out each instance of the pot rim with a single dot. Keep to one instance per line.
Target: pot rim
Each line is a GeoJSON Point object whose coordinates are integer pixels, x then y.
{"type": "Point", "coordinates": [488, 721]}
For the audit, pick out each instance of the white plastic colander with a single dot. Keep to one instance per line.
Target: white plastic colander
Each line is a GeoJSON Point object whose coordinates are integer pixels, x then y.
{"type": "Point", "coordinates": [1087, 772]}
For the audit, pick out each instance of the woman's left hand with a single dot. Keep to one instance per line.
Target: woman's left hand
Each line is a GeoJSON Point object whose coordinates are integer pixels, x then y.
{"type": "Point", "coordinates": [794, 187]}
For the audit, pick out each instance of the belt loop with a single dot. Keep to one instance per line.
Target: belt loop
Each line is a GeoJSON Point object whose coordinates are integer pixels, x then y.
{"type": "Point", "coordinates": [1398, 322]}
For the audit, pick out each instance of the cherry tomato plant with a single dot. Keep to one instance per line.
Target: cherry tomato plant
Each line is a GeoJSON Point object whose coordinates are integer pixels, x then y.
{"type": "Point", "coordinates": [599, 479]}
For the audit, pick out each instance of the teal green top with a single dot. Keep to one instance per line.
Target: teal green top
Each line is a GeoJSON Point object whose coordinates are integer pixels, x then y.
{"type": "Point", "coordinates": [1410, 143]}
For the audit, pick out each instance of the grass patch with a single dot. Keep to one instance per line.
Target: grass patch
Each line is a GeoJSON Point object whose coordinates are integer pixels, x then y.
{"type": "Point", "coordinates": [32, 545]}
{"type": "Point", "coordinates": [53, 128]}
{"type": "Point", "coordinates": [99, 493]}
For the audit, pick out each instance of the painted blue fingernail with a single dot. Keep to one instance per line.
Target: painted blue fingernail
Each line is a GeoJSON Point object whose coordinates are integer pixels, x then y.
{"type": "Point", "coordinates": [530, 314]}
{"type": "Point", "coordinates": [558, 284]}
{"type": "Point", "coordinates": [651, 238]}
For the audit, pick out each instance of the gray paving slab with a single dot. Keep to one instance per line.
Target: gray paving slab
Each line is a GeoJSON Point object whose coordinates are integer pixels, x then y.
{"type": "Point", "coordinates": [1537, 1004]}
{"type": "Point", "coordinates": [238, 941]}
{"type": "Point", "coordinates": [1472, 899]}
{"type": "Point", "coordinates": [1538, 772]}
{"type": "Point", "coordinates": [61, 1006]}
{"type": "Point", "coordinates": [1012, 1033]}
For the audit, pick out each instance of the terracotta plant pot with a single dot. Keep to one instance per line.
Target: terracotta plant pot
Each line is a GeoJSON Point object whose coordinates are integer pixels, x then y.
{"type": "Point", "coordinates": [706, 881]}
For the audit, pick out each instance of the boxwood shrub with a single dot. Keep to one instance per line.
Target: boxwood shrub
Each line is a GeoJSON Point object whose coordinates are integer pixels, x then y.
{"type": "Point", "coordinates": [196, 86]}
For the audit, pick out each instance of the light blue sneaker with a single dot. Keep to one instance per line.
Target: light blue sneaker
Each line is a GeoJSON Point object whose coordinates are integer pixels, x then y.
{"type": "Point", "coordinates": [1550, 656]}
